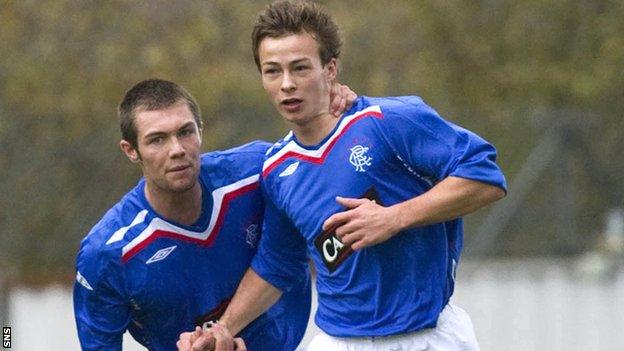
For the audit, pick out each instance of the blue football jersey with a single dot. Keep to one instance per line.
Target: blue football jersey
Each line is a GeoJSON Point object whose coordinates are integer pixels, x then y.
{"type": "Point", "coordinates": [139, 272]}
{"type": "Point", "coordinates": [388, 150]}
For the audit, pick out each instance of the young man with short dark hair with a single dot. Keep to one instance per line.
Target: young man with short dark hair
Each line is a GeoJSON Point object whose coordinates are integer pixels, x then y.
{"type": "Point", "coordinates": [170, 254]}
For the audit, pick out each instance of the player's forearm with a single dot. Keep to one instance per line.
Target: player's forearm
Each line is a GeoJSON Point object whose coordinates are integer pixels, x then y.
{"type": "Point", "coordinates": [451, 198]}
{"type": "Point", "coordinates": [253, 296]}
{"type": "Point", "coordinates": [97, 340]}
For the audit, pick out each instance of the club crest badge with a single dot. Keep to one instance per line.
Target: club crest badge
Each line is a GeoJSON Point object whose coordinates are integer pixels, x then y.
{"type": "Point", "coordinates": [253, 232]}
{"type": "Point", "coordinates": [359, 158]}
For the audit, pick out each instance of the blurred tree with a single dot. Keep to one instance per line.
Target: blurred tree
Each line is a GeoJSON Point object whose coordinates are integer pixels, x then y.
{"type": "Point", "coordinates": [505, 69]}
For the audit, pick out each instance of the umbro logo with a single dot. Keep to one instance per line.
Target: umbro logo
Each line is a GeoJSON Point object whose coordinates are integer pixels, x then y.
{"type": "Point", "coordinates": [80, 279]}
{"type": "Point", "coordinates": [161, 254]}
{"type": "Point", "coordinates": [290, 169]}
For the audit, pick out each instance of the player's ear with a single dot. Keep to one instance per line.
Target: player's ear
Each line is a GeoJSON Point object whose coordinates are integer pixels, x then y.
{"type": "Point", "coordinates": [130, 151]}
{"type": "Point", "coordinates": [331, 68]}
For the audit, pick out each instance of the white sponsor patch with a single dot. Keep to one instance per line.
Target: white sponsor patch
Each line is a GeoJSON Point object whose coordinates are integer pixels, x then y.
{"type": "Point", "coordinates": [290, 169]}
{"type": "Point", "coordinates": [161, 254]}
{"type": "Point", "coordinates": [80, 279]}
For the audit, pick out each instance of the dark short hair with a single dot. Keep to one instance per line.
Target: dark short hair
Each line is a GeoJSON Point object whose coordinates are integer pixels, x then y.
{"type": "Point", "coordinates": [292, 17]}
{"type": "Point", "coordinates": [151, 95]}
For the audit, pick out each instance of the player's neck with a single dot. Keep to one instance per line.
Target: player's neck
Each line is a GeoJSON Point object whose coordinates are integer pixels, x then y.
{"type": "Point", "coordinates": [315, 130]}
{"type": "Point", "coordinates": [181, 207]}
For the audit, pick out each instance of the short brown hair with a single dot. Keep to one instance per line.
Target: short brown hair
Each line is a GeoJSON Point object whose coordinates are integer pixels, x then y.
{"type": "Point", "coordinates": [151, 95]}
{"type": "Point", "coordinates": [292, 17]}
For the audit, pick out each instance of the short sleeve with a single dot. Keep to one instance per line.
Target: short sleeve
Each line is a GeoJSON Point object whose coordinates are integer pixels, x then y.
{"type": "Point", "coordinates": [437, 148]}
{"type": "Point", "coordinates": [100, 308]}
{"type": "Point", "coordinates": [282, 256]}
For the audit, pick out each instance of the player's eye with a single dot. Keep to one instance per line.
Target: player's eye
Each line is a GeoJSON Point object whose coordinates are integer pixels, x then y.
{"type": "Point", "coordinates": [301, 68]}
{"type": "Point", "coordinates": [185, 132]}
{"type": "Point", "coordinates": [269, 71]}
{"type": "Point", "coordinates": [156, 140]}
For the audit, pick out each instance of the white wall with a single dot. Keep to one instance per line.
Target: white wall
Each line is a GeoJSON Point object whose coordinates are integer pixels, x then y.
{"type": "Point", "coordinates": [543, 305]}
{"type": "Point", "coordinates": [515, 305]}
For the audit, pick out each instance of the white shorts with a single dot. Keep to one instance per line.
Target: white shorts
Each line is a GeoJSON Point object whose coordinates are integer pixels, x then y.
{"type": "Point", "coordinates": [454, 332]}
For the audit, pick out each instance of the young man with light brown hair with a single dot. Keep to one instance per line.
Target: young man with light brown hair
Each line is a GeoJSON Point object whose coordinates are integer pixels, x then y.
{"type": "Point", "coordinates": [374, 198]}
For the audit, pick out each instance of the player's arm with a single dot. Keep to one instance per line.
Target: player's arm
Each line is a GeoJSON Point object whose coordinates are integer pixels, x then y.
{"type": "Point", "coordinates": [451, 198]}
{"type": "Point", "coordinates": [253, 297]}
{"type": "Point", "coordinates": [462, 163]}
{"type": "Point", "coordinates": [366, 223]}
{"type": "Point", "coordinates": [101, 314]}
{"type": "Point", "coordinates": [279, 265]}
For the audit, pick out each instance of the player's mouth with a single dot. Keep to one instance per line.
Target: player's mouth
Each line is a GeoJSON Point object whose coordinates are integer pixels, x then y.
{"type": "Point", "coordinates": [177, 169]}
{"type": "Point", "coordinates": [291, 104]}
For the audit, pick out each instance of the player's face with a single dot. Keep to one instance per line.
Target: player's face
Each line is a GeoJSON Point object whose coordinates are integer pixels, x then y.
{"type": "Point", "coordinates": [169, 144]}
{"type": "Point", "coordinates": [292, 74]}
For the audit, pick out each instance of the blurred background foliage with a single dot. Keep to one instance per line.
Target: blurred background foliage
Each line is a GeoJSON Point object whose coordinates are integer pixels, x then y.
{"type": "Point", "coordinates": [508, 70]}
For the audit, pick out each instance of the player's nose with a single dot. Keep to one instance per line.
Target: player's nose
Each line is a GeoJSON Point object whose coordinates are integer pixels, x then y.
{"type": "Point", "coordinates": [288, 83]}
{"type": "Point", "coordinates": [177, 148]}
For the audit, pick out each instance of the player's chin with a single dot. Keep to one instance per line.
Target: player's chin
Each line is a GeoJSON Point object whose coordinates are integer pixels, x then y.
{"type": "Point", "coordinates": [181, 185]}
{"type": "Point", "coordinates": [298, 119]}
{"type": "Point", "coordinates": [291, 117]}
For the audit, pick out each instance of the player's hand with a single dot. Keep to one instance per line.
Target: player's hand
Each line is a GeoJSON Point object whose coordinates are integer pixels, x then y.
{"type": "Point", "coordinates": [186, 339]}
{"type": "Point", "coordinates": [209, 343]}
{"type": "Point", "coordinates": [364, 223]}
{"type": "Point", "coordinates": [239, 345]}
{"type": "Point", "coordinates": [341, 99]}
{"type": "Point", "coordinates": [218, 338]}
